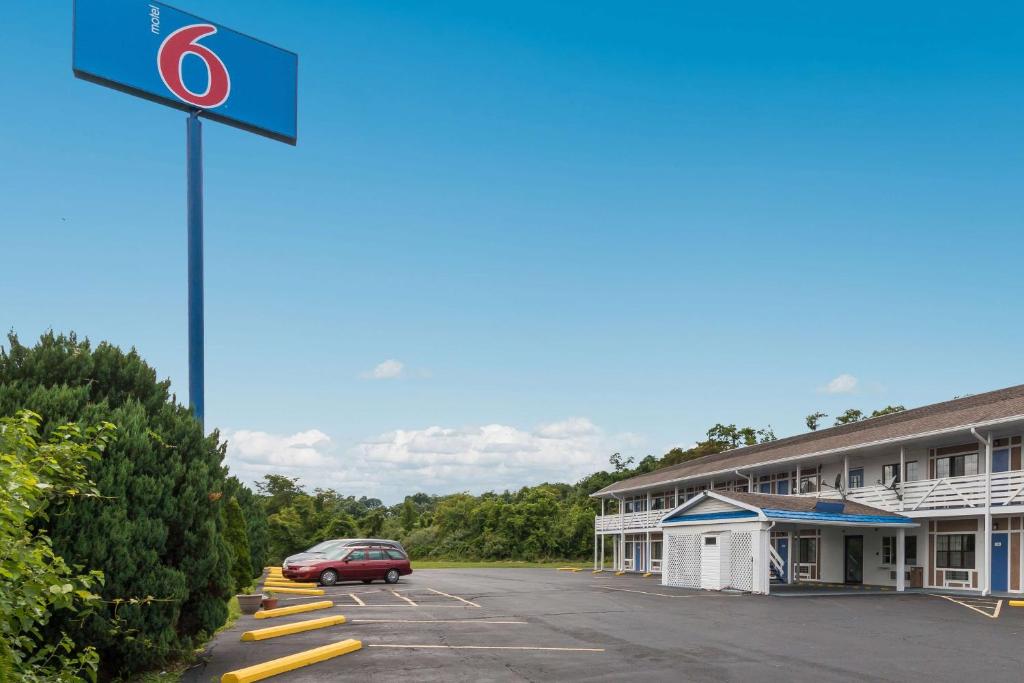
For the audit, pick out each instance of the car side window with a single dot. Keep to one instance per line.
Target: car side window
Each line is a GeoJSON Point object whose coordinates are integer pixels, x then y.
{"type": "Point", "coordinates": [377, 554]}
{"type": "Point", "coordinates": [357, 555]}
{"type": "Point", "coordinates": [395, 554]}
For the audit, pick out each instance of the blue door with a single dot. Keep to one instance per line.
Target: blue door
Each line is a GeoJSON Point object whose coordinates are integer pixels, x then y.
{"type": "Point", "coordinates": [1000, 561]}
{"type": "Point", "coordinates": [637, 554]}
{"type": "Point", "coordinates": [782, 486]}
{"type": "Point", "coordinates": [1001, 460]}
{"type": "Point", "coordinates": [782, 547]}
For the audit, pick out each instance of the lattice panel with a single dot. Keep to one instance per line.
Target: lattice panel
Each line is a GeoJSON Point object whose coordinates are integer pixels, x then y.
{"type": "Point", "coordinates": [683, 566]}
{"type": "Point", "coordinates": [741, 561]}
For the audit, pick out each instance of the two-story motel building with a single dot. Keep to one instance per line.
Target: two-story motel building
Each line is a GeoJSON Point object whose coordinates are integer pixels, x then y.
{"type": "Point", "coordinates": [931, 497]}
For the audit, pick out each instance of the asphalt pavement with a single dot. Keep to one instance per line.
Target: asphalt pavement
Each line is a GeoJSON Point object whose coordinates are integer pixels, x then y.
{"type": "Point", "coordinates": [544, 625]}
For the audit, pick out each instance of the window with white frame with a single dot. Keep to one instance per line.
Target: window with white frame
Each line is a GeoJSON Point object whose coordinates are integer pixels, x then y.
{"type": "Point", "coordinates": [909, 550]}
{"type": "Point", "coordinates": [856, 478]}
{"type": "Point", "coordinates": [910, 469]}
{"type": "Point", "coordinates": [888, 550]}
{"type": "Point", "coordinates": [809, 483]}
{"type": "Point", "coordinates": [954, 551]}
{"type": "Point", "coordinates": [961, 465]}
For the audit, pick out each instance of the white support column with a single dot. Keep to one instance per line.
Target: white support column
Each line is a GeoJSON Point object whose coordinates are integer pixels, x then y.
{"type": "Point", "coordinates": [622, 534]}
{"type": "Point", "coordinates": [750, 483]}
{"type": "Point", "coordinates": [676, 498]}
{"type": "Point", "coordinates": [986, 579]}
{"type": "Point", "coordinates": [901, 568]}
{"type": "Point", "coordinates": [797, 488]}
{"type": "Point", "coordinates": [846, 473]}
{"type": "Point", "coordinates": [595, 548]}
{"type": "Point", "coordinates": [796, 555]}
{"type": "Point", "coordinates": [602, 552]}
{"type": "Point", "coordinates": [903, 474]}
{"type": "Point", "coordinates": [790, 557]}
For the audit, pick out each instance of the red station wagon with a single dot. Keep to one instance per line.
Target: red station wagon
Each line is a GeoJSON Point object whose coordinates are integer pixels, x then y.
{"type": "Point", "coordinates": [352, 563]}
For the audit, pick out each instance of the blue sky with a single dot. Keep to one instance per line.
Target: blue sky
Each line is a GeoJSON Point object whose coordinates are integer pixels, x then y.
{"type": "Point", "coordinates": [578, 227]}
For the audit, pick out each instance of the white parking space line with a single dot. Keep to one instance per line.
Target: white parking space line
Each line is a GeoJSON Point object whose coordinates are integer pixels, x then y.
{"type": "Point", "coordinates": [434, 621]}
{"type": "Point", "coordinates": [456, 597]}
{"type": "Point", "coordinates": [399, 595]}
{"type": "Point", "coordinates": [358, 601]}
{"type": "Point", "coordinates": [998, 607]}
{"type": "Point", "coordinates": [660, 595]}
{"type": "Point", "coordinates": [490, 647]}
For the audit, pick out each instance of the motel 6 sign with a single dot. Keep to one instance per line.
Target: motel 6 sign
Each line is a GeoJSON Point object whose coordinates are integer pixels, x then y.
{"type": "Point", "coordinates": [160, 53]}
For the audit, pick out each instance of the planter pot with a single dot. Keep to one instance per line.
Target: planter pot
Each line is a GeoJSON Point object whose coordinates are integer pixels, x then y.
{"type": "Point", "coordinates": [269, 603]}
{"type": "Point", "coordinates": [249, 604]}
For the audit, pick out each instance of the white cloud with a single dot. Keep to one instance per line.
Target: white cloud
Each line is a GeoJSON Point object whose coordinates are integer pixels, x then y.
{"type": "Point", "coordinates": [389, 369]}
{"type": "Point", "coordinates": [434, 460]}
{"type": "Point", "coordinates": [843, 384]}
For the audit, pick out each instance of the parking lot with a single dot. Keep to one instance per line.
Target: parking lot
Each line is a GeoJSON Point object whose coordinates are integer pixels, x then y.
{"type": "Point", "coordinates": [537, 624]}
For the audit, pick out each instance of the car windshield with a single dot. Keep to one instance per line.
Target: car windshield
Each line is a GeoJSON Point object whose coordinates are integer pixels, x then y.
{"type": "Point", "coordinates": [323, 547]}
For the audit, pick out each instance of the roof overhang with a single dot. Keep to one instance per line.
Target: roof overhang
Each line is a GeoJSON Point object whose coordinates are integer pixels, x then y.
{"type": "Point", "coordinates": [731, 469]}
{"type": "Point", "coordinates": [746, 512]}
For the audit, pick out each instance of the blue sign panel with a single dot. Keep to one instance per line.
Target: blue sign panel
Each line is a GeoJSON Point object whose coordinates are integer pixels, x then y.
{"type": "Point", "coordinates": [163, 54]}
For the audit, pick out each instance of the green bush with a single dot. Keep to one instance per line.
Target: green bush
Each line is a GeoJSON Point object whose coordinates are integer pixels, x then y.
{"type": "Point", "coordinates": [38, 480]}
{"type": "Point", "coordinates": [157, 535]}
{"type": "Point", "coordinates": [238, 542]}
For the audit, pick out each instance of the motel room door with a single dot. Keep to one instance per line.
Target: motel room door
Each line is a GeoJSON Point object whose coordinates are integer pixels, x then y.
{"type": "Point", "coordinates": [854, 559]}
{"type": "Point", "coordinates": [1000, 561]}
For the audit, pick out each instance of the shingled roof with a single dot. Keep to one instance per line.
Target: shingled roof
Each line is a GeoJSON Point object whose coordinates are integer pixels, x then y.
{"type": "Point", "coordinates": [964, 412]}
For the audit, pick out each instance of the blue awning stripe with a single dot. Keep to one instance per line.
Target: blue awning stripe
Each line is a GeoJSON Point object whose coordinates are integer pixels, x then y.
{"type": "Point", "coordinates": [710, 515]}
{"type": "Point", "coordinates": [772, 513]}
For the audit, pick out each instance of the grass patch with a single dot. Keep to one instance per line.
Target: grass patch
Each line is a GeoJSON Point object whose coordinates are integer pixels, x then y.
{"type": "Point", "coordinates": [493, 564]}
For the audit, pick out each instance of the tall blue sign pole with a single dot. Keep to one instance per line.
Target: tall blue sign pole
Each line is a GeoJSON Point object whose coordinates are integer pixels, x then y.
{"type": "Point", "coordinates": [196, 346]}
{"type": "Point", "coordinates": [160, 53]}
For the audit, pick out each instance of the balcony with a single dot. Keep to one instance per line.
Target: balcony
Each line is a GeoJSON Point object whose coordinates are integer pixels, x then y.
{"type": "Point", "coordinates": [629, 521]}
{"type": "Point", "coordinates": [918, 496]}
{"type": "Point", "coordinates": [950, 492]}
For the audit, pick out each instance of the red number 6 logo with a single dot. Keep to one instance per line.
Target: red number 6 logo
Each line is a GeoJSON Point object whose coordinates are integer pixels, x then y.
{"type": "Point", "coordinates": [172, 53]}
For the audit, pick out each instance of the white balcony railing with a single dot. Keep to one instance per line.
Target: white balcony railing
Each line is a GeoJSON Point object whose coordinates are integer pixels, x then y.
{"type": "Point", "coordinates": [949, 492]}
{"type": "Point", "coordinates": [927, 494]}
{"type": "Point", "coordinates": [629, 521]}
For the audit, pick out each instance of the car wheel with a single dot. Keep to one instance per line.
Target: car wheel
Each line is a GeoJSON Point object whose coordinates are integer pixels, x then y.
{"type": "Point", "coordinates": [328, 577]}
{"type": "Point", "coordinates": [391, 576]}
{"type": "Point", "coordinates": [367, 580]}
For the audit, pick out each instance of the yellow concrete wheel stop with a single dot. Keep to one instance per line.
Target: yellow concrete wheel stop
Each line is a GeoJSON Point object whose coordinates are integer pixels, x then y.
{"type": "Point", "coordinates": [258, 672]}
{"type": "Point", "coordinates": [293, 609]}
{"type": "Point", "coordinates": [296, 627]}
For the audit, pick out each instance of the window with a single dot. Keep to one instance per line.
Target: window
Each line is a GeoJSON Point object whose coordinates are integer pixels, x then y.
{"type": "Point", "coordinates": [956, 465]}
{"type": "Point", "coordinates": [376, 554]}
{"type": "Point", "coordinates": [656, 550]}
{"type": "Point", "coordinates": [856, 478]}
{"type": "Point", "coordinates": [765, 487]}
{"type": "Point", "coordinates": [910, 469]}
{"type": "Point", "coordinates": [910, 550]}
{"type": "Point", "coordinates": [954, 551]}
{"type": "Point", "coordinates": [808, 551]}
{"type": "Point", "coordinates": [809, 484]}
{"type": "Point", "coordinates": [888, 550]}
{"type": "Point", "coordinates": [356, 555]}
{"type": "Point", "coordinates": [711, 540]}
{"type": "Point", "coordinates": [890, 473]}
{"type": "Point", "coordinates": [395, 554]}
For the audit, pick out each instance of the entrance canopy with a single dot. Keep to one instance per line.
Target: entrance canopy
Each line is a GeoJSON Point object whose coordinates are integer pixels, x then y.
{"type": "Point", "coordinates": [711, 507]}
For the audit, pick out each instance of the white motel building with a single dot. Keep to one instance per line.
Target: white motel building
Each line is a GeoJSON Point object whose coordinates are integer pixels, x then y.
{"type": "Point", "coordinates": [931, 497]}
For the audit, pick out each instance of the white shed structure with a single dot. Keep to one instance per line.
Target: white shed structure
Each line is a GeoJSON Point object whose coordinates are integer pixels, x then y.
{"type": "Point", "coordinates": [719, 541]}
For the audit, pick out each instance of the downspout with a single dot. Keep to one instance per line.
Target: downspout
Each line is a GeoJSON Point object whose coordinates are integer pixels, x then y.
{"type": "Point", "coordinates": [986, 579]}
{"type": "Point", "coordinates": [750, 481]}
